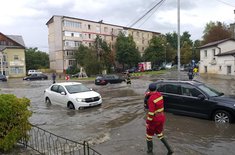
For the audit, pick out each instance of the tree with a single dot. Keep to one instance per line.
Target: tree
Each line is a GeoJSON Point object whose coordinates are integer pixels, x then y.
{"type": "Point", "coordinates": [186, 45]}
{"type": "Point", "coordinates": [155, 52]}
{"type": "Point", "coordinates": [126, 51]}
{"type": "Point", "coordinates": [36, 59]}
{"type": "Point", "coordinates": [215, 31]}
{"type": "Point", "coordinates": [104, 54]}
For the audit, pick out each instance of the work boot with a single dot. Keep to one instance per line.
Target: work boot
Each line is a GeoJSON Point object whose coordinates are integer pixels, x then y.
{"type": "Point", "coordinates": [170, 151]}
{"type": "Point", "coordinates": [150, 146]}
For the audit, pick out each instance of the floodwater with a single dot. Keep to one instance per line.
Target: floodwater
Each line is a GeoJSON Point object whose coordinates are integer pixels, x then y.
{"type": "Point", "coordinates": [117, 126]}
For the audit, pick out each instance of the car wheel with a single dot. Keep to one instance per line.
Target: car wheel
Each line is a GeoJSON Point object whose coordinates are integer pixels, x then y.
{"type": "Point", "coordinates": [70, 105]}
{"type": "Point", "coordinates": [222, 116]}
{"type": "Point", "coordinates": [47, 100]}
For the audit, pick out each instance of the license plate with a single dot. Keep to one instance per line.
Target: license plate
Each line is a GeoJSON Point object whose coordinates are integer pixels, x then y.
{"type": "Point", "coordinates": [92, 104]}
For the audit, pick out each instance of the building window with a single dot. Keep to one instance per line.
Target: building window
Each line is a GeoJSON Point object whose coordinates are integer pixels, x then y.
{"type": "Point", "coordinates": [142, 41]}
{"type": "Point", "coordinates": [16, 70]}
{"type": "Point", "coordinates": [106, 29]}
{"type": "Point", "coordinates": [72, 24]}
{"type": "Point", "coordinates": [229, 70]}
{"type": "Point", "coordinates": [89, 36]}
{"type": "Point", "coordinates": [89, 26]}
{"type": "Point", "coordinates": [220, 68]}
{"type": "Point", "coordinates": [205, 53]}
{"type": "Point", "coordinates": [3, 42]}
{"type": "Point", "coordinates": [205, 69]}
{"type": "Point", "coordinates": [16, 57]}
{"type": "Point", "coordinates": [98, 29]}
{"type": "Point", "coordinates": [137, 34]}
{"type": "Point", "coordinates": [89, 44]}
{"type": "Point", "coordinates": [213, 51]}
{"type": "Point", "coordinates": [72, 62]}
{"type": "Point", "coordinates": [142, 48]}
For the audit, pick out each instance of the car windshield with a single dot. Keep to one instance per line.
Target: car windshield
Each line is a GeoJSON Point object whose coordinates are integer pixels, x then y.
{"type": "Point", "coordinates": [211, 92]}
{"type": "Point", "coordinates": [77, 88]}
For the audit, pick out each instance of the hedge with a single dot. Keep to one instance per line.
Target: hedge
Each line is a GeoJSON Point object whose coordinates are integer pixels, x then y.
{"type": "Point", "coordinates": [14, 123]}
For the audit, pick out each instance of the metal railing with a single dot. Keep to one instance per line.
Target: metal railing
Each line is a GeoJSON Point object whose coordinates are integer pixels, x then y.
{"type": "Point", "coordinates": [47, 143]}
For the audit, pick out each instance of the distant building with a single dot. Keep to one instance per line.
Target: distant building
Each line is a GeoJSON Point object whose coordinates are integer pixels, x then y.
{"type": "Point", "coordinates": [65, 34]}
{"type": "Point", "coordinates": [12, 55]}
{"type": "Point", "coordinates": [218, 57]}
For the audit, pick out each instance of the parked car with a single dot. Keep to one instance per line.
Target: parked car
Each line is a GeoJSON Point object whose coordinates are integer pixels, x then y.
{"type": "Point", "coordinates": [3, 77]}
{"type": "Point", "coordinates": [196, 99]}
{"type": "Point", "coordinates": [32, 71]}
{"type": "Point", "coordinates": [111, 78]}
{"type": "Point", "coordinates": [169, 65]}
{"type": "Point", "coordinates": [36, 77]}
{"type": "Point", "coordinates": [73, 95]}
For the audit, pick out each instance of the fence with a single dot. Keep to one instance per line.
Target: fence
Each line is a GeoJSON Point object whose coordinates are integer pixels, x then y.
{"type": "Point", "coordinates": [47, 143]}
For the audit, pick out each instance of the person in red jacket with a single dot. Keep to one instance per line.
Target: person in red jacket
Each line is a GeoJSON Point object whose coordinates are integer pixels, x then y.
{"type": "Point", "coordinates": [155, 119]}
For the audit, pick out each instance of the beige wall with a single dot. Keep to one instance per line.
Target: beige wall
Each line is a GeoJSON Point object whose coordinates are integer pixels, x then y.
{"type": "Point", "coordinates": [16, 62]}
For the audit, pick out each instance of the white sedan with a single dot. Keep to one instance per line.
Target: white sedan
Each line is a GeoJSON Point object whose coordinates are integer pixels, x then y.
{"type": "Point", "coordinates": [73, 95]}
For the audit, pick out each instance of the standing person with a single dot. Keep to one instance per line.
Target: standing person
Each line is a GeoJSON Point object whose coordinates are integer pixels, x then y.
{"type": "Point", "coordinates": [155, 119]}
{"type": "Point", "coordinates": [190, 74]}
{"type": "Point", "coordinates": [53, 77]}
{"type": "Point", "coordinates": [67, 78]}
{"type": "Point", "coordinates": [128, 79]}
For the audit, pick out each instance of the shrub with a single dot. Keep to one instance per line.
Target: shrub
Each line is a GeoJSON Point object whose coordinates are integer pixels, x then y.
{"type": "Point", "coordinates": [14, 122]}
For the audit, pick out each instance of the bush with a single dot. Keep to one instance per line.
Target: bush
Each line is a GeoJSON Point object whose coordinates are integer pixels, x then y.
{"type": "Point", "coordinates": [14, 122]}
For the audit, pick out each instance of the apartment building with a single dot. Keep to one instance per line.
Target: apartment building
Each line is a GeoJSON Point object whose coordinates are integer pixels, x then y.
{"type": "Point", "coordinates": [65, 34]}
{"type": "Point", "coordinates": [12, 55]}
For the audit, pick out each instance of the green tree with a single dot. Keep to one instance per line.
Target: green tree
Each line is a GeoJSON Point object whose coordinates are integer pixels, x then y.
{"type": "Point", "coordinates": [104, 54]}
{"type": "Point", "coordinates": [215, 31]}
{"type": "Point", "coordinates": [36, 59]}
{"type": "Point", "coordinates": [14, 124]}
{"type": "Point", "coordinates": [186, 45]}
{"type": "Point", "coordinates": [126, 51]}
{"type": "Point", "coordinates": [155, 52]}
{"type": "Point", "coordinates": [87, 58]}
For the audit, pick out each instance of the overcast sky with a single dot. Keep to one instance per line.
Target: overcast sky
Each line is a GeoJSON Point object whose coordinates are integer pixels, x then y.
{"type": "Point", "coordinates": [28, 17]}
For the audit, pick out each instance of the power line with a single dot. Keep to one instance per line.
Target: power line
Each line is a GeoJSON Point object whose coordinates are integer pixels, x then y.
{"type": "Point", "coordinates": [146, 13]}
{"type": "Point", "coordinates": [226, 3]}
{"type": "Point", "coordinates": [151, 14]}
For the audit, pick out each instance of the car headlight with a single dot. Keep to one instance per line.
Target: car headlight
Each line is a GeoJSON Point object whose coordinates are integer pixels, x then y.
{"type": "Point", "coordinates": [80, 99]}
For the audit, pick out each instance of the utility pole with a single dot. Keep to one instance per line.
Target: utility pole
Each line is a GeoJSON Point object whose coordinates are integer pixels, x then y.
{"type": "Point", "coordinates": [178, 51]}
{"type": "Point", "coordinates": [1, 57]}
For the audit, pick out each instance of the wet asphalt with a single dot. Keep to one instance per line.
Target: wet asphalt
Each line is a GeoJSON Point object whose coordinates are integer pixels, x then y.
{"type": "Point", "coordinates": [117, 127]}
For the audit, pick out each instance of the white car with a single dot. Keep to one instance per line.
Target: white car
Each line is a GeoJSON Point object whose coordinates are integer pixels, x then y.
{"type": "Point", "coordinates": [73, 95]}
{"type": "Point", "coordinates": [33, 72]}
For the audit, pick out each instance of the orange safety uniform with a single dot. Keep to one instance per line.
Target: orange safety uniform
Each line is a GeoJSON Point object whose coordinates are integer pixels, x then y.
{"type": "Point", "coordinates": [155, 116]}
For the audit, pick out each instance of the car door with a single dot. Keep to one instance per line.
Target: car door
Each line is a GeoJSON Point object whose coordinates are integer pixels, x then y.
{"type": "Point", "coordinates": [195, 101]}
{"type": "Point", "coordinates": [61, 98]}
{"type": "Point", "coordinates": [171, 96]}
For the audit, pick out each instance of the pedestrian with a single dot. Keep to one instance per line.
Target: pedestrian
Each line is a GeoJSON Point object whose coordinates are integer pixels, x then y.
{"type": "Point", "coordinates": [195, 70]}
{"type": "Point", "coordinates": [67, 78]}
{"type": "Point", "coordinates": [190, 74]}
{"type": "Point", "coordinates": [128, 79]}
{"type": "Point", "coordinates": [53, 76]}
{"type": "Point", "coordinates": [155, 119]}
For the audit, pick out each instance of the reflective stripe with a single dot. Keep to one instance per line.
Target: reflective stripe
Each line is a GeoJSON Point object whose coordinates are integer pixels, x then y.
{"type": "Point", "coordinates": [148, 136]}
{"type": "Point", "coordinates": [149, 119]}
{"type": "Point", "coordinates": [158, 99]}
{"type": "Point", "coordinates": [160, 136]}
{"type": "Point", "coordinates": [159, 110]}
{"type": "Point", "coordinates": [151, 113]}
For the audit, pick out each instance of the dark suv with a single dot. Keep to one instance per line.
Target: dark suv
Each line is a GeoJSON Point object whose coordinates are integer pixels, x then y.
{"type": "Point", "coordinates": [110, 78]}
{"type": "Point", "coordinates": [194, 98]}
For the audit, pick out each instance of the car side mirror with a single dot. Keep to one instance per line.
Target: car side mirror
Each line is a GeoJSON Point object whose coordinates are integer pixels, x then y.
{"type": "Point", "coordinates": [63, 93]}
{"type": "Point", "coordinates": [201, 97]}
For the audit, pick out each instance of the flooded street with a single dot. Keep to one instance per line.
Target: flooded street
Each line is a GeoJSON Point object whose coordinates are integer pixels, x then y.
{"type": "Point", "coordinates": [117, 127]}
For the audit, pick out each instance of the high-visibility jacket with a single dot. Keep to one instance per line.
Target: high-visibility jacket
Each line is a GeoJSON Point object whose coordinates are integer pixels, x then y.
{"type": "Point", "coordinates": [156, 107]}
